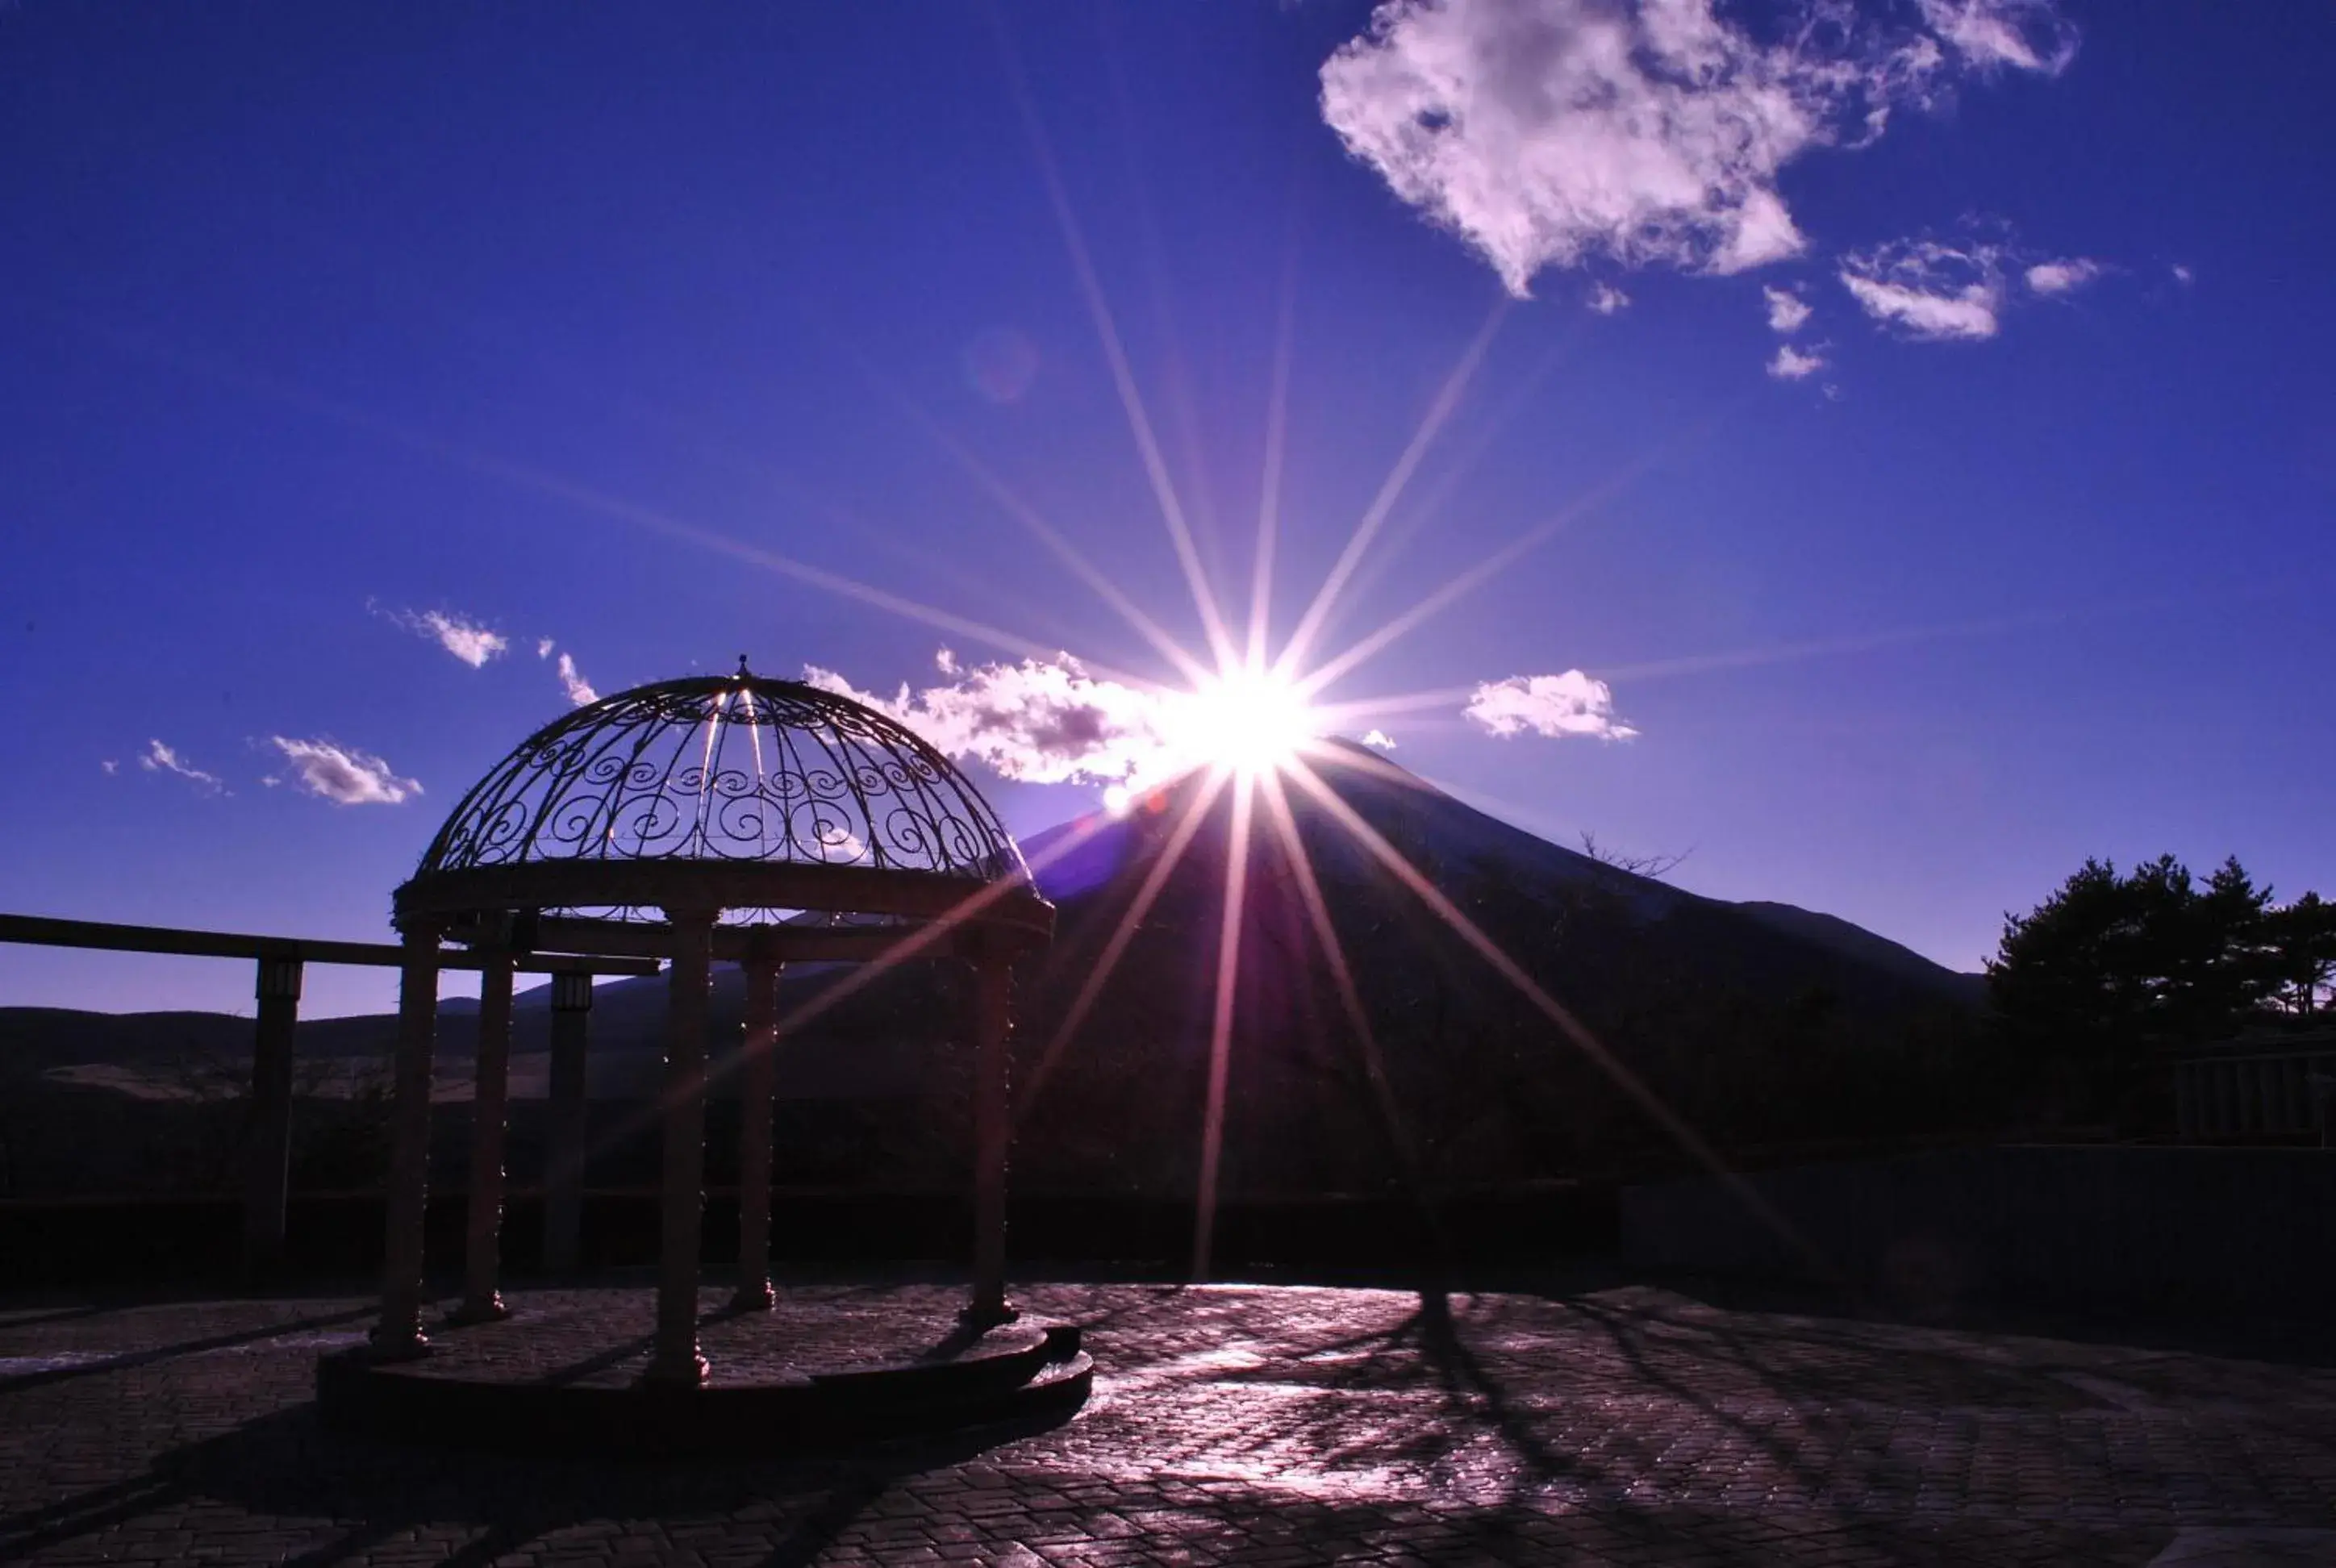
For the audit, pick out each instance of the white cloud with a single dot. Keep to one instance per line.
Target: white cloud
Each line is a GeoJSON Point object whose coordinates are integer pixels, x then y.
{"type": "Point", "coordinates": [1652, 131]}
{"type": "Point", "coordinates": [1790, 363]}
{"type": "Point", "coordinates": [1046, 721]}
{"type": "Point", "coordinates": [2183, 275]}
{"type": "Point", "coordinates": [945, 661]}
{"type": "Point", "coordinates": [543, 647]}
{"type": "Point", "coordinates": [458, 635]}
{"type": "Point", "coordinates": [579, 690]}
{"type": "Point", "coordinates": [2063, 276]}
{"type": "Point", "coordinates": [2025, 34]}
{"type": "Point", "coordinates": [1379, 740]}
{"type": "Point", "coordinates": [1928, 290]}
{"type": "Point", "coordinates": [1606, 299]}
{"type": "Point", "coordinates": [1572, 704]}
{"type": "Point", "coordinates": [1788, 311]}
{"type": "Point", "coordinates": [342, 774]}
{"type": "Point", "coordinates": [110, 767]}
{"type": "Point", "coordinates": [161, 758]}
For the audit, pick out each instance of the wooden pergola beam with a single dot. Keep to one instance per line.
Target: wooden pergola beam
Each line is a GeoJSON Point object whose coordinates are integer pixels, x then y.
{"type": "Point", "coordinates": [41, 930]}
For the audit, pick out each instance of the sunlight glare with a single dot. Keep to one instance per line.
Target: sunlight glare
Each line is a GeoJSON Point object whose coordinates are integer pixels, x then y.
{"type": "Point", "coordinates": [1249, 722]}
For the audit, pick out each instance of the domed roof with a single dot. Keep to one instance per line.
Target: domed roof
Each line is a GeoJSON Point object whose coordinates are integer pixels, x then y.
{"type": "Point", "coordinates": [738, 772]}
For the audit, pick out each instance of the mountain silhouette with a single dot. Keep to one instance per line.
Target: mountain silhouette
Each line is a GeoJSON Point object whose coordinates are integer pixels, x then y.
{"type": "Point", "coordinates": [1757, 1022]}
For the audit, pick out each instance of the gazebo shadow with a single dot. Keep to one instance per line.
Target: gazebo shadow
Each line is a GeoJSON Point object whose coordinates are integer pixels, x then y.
{"type": "Point", "coordinates": [290, 1465]}
{"type": "Point", "coordinates": [375, 1494]}
{"type": "Point", "coordinates": [122, 1361]}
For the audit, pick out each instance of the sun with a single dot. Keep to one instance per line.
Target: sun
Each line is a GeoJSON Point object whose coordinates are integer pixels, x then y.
{"type": "Point", "coordinates": [1247, 721]}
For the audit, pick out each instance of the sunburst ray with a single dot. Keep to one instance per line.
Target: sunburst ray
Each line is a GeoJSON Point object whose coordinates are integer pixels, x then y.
{"type": "Point", "coordinates": [1277, 436]}
{"type": "Point", "coordinates": [1115, 351]}
{"type": "Point", "coordinates": [1429, 504]}
{"type": "Point", "coordinates": [585, 498]}
{"type": "Point", "coordinates": [917, 944]}
{"type": "Point", "coordinates": [1350, 996]}
{"type": "Point", "coordinates": [1131, 920]}
{"type": "Point", "coordinates": [1659, 1110]}
{"type": "Point", "coordinates": [1034, 522]}
{"type": "Point", "coordinates": [1220, 1026]}
{"type": "Point", "coordinates": [1468, 581]}
{"type": "Point", "coordinates": [1431, 425]}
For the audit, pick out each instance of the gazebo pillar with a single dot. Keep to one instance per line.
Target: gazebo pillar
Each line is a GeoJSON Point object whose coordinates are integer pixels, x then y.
{"type": "Point", "coordinates": [564, 1139]}
{"type": "Point", "coordinates": [676, 1362]}
{"type": "Point", "coordinates": [269, 1151]}
{"type": "Point", "coordinates": [993, 1026]}
{"type": "Point", "coordinates": [757, 1080]}
{"type": "Point", "coordinates": [399, 1333]}
{"type": "Point", "coordinates": [483, 1301]}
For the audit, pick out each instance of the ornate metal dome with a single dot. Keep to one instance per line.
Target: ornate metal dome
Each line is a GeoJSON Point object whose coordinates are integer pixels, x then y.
{"type": "Point", "coordinates": [738, 790]}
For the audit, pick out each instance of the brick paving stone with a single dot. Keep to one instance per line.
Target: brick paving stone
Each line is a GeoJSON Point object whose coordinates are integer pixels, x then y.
{"type": "Point", "coordinates": [1251, 1424]}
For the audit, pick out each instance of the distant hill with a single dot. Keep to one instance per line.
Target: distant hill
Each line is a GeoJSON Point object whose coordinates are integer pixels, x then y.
{"type": "Point", "coordinates": [626, 1042]}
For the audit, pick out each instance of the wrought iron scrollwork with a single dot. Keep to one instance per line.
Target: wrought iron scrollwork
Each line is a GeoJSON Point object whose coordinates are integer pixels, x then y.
{"type": "Point", "coordinates": [739, 768]}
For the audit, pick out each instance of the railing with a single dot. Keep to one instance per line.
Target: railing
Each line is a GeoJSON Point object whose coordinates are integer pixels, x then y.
{"type": "Point", "coordinates": [2264, 1095]}
{"type": "Point", "coordinates": [280, 961]}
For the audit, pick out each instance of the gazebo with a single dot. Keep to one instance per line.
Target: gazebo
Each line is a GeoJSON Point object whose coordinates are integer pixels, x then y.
{"type": "Point", "coordinates": [733, 818]}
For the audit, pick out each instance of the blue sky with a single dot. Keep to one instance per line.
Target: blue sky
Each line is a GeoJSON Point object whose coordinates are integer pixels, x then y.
{"type": "Point", "coordinates": [597, 324]}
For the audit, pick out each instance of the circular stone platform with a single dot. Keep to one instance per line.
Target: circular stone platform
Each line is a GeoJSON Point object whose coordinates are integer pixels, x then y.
{"type": "Point", "coordinates": [828, 1365]}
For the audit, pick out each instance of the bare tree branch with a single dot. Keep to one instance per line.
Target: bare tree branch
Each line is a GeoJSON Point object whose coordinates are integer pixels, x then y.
{"type": "Point", "coordinates": [1657, 865]}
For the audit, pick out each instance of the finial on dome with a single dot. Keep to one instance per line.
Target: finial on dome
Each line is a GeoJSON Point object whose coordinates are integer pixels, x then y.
{"type": "Point", "coordinates": [743, 673]}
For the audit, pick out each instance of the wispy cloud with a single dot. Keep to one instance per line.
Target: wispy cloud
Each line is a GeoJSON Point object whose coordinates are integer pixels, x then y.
{"type": "Point", "coordinates": [458, 635]}
{"type": "Point", "coordinates": [543, 647]}
{"type": "Point", "coordinates": [161, 758]}
{"type": "Point", "coordinates": [2022, 34]}
{"type": "Point", "coordinates": [1944, 291]}
{"type": "Point", "coordinates": [1788, 311]}
{"type": "Point", "coordinates": [1046, 721]}
{"type": "Point", "coordinates": [2063, 276]}
{"type": "Point", "coordinates": [342, 774]}
{"type": "Point", "coordinates": [1789, 363]}
{"type": "Point", "coordinates": [109, 767]}
{"type": "Point", "coordinates": [1378, 740]}
{"type": "Point", "coordinates": [1572, 704]}
{"type": "Point", "coordinates": [1651, 131]}
{"type": "Point", "coordinates": [572, 681]}
{"type": "Point", "coordinates": [1606, 299]}
{"type": "Point", "coordinates": [1929, 290]}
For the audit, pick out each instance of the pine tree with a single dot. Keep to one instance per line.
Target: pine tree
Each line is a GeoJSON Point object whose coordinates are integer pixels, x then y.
{"type": "Point", "coordinates": [2107, 978]}
{"type": "Point", "coordinates": [2300, 954]}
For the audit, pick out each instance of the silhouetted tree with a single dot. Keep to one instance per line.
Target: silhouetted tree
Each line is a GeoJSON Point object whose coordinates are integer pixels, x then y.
{"type": "Point", "coordinates": [2301, 953]}
{"type": "Point", "coordinates": [2107, 976]}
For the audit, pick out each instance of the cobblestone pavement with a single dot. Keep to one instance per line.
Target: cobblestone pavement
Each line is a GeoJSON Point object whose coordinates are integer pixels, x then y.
{"type": "Point", "coordinates": [602, 1338]}
{"type": "Point", "coordinates": [1237, 1424]}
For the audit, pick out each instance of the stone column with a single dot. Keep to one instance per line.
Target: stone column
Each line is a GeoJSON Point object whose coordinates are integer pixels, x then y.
{"type": "Point", "coordinates": [399, 1334]}
{"type": "Point", "coordinates": [483, 1301]}
{"type": "Point", "coordinates": [993, 1025]}
{"type": "Point", "coordinates": [564, 1139]}
{"type": "Point", "coordinates": [269, 1154]}
{"type": "Point", "coordinates": [676, 1362]}
{"type": "Point", "coordinates": [757, 1077]}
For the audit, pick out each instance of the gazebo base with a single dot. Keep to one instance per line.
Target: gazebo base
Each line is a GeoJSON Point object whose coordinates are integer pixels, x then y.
{"type": "Point", "coordinates": [823, 1368]}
